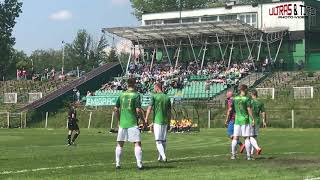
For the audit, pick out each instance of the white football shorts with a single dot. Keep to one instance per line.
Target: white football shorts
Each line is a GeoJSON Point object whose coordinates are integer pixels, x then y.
{"type": "Point", "coordinates": [255, 130]}
{"type": "Point", "coordinates": [160, 132]}
{"type": "Point", "coordinates": [242, 130]}
{"type": "Point", "coordinates": [129, 134]}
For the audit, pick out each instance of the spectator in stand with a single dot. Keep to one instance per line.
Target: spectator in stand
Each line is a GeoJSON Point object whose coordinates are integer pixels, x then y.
{"type": "Point", "coordinates": [52, 73]}
{"type": "Point", "coordinates": [24, 74]}
{"type": "Point", "coordinates": [89, 93]}
{"type": "Point", "coordinates": [177, 78]}
{"type": "Point", "coordinates": [78, 96]}
{"type": "Point", "coordinates": [19, 74]}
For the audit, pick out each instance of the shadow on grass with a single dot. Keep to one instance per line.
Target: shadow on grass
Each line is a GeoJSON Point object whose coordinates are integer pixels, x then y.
{"type": "Point", "coordinates": [152, 167]}
{"type": "Point", "coordinates": [180, 161]}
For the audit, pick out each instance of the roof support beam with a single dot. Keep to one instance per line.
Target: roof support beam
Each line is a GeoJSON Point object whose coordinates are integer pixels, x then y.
{"type": "Point", "coordinates": [152, 59]}
{"type": "Point", "coordinates": [165, 47]}
{"type": "Point", "coordinates": [194, 54]}
{"type": "Point", "coordinates": [218, 41]}
{"type": "Point", "coordinates": [129, 59]}
{"type": "Point", "coordinates": [250, 55]}
{"type": "Point", "coordinates": [259, 48]}
{"type": "Point", "coordinates": [178, 55]}
{"type": "Point", "coordinates": [268, 46]}
{"type": "Point", "coordinates": [231, 50]}
{"type": "Point", "coordinates": [204, 54]}
{"type": "Point", "coordinates": [275, 58]}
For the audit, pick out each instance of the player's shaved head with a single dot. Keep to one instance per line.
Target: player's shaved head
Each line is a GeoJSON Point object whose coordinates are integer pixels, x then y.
{"type": "Point", "coordinates": [131, 82]}
{"type": "Point", "coordinates": [229, 94]}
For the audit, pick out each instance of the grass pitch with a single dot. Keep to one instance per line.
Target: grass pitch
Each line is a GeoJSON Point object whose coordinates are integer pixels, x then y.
{"type": "Point", "coordinates": [42, 154]}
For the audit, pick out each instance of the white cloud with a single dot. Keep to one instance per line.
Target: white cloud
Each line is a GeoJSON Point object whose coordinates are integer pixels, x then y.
{"type": "Point", "coordinates": [62, 15]}
{"type": "Point", "coordinates": [119, 2]}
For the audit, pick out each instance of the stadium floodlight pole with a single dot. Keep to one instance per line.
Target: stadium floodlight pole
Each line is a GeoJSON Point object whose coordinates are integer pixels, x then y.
{"type": "Point", "coordinates": [31, 63]}
{"type": "Point", "coordinates": [62, 69]}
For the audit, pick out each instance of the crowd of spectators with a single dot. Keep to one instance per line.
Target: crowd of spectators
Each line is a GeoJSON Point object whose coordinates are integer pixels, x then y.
{"type": "Point", "coordinates": [48, 74]}
{"type": "Point", "coordinates": [177, 78]}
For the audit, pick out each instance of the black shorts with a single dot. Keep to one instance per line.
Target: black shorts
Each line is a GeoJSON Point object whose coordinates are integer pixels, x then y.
{"type": "Point", "coordinates": [73, 126]}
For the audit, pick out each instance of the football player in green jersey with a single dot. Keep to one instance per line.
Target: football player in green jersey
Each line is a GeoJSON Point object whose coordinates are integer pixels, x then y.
{"type": "Point", "coordinates": [258, 111]}
{"type": "Point", "coordinates": [242, 126]}
{"type": "Point", "coordinates": [128, 109]}
{"type": "Point", "coordinates": [161, 105]}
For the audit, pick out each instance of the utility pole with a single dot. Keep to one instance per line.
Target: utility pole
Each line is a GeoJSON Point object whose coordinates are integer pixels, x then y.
{"type": "Point", "coordinates": [62, 69]}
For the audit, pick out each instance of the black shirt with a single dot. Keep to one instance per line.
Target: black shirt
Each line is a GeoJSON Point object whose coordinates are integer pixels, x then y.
{"type": "Point", "coordinates": [72, 111]}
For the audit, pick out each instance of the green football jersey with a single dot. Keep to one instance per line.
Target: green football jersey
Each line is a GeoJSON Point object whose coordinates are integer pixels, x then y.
{"type": "Point", "coordinates": [128, 101]}
{"type": "Point", "coordinates": [257, 109]}
{"type": "Point", "coordinates": [161, 105]}
{"type": "Point", "coordinates": [241, 104]}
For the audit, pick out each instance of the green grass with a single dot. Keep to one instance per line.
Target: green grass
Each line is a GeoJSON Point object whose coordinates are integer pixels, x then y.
{"type": "Point", "coordinates": [287, 154]}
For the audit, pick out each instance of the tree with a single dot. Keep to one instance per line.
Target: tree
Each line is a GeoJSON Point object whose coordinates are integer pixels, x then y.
{"type": "Point", "coordinates": [112, 57]}
{"type": "Point", "coordinates": [99, 50]}
{"type": "Point", "coordinates": [21, 60]}
{"type": "Point", "coordinates": [43, 59]}
{"type": "Point", "coordinates": [84, 53]}
{"type": "Point", "coordinates": [9, 11]}
{"type": "Point", "coordinates": [154, 6]}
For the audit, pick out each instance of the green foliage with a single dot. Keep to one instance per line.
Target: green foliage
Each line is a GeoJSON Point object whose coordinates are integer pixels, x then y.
{"type": "Point", "coordinates": [154, 6]}
{"type": "Point", "coordinates": [84, 53]}
{"type": "Point", "coordinates": [9, 11]}
{"type": "Point", "coordinates": [112, 57]}
{"type": "Point", "coordinates": [310, 74]}
{"type": "Point", "coordinates": [43, 59]}
{"type": "Point", "coordinates": [21, 59]}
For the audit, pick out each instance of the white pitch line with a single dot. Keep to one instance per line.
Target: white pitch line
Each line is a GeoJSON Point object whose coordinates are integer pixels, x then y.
{"type": "Point", "coordinates": [97, 164]}
{"type": "Point", "coordinates": [103, 164]}
{"type": "Point", "coordinates": [312, 178]}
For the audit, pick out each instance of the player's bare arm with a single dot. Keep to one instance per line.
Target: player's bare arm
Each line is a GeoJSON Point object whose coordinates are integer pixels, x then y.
{"type": "Point", "coordinates": [264, 119]}
{"type": "Point", "coordinates": [227, 116]}
{"type": "Point", "coordinates": [117, 111]}
{"type": "Point", "coordinates": [251, 115]}
{"type": "Point", "coordinates": [148, 114]}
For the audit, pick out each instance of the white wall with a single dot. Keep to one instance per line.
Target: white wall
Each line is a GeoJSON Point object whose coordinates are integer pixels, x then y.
{"type": "Point", "coordinates": [200, 12]}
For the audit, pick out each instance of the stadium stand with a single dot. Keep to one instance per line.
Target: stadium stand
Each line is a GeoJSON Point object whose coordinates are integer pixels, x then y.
{"type": "Point", "coordinates": [284, 82]}
{"type": "Point", "coordinates": [184, 83]}
{"type": "Point", "coordinates": [70, 86]}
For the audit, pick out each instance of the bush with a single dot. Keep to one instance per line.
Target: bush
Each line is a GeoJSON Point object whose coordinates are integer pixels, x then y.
{"type": "Point", "coordinates": [310, 74]}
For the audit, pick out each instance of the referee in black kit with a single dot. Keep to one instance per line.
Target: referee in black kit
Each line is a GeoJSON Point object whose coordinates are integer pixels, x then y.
{"type": "Point", "coordinates": [72, 125]}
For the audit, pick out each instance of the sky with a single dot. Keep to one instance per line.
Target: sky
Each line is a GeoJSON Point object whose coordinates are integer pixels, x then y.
{"type": "Point", "coordinates": [45, 24]}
